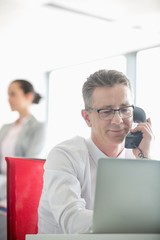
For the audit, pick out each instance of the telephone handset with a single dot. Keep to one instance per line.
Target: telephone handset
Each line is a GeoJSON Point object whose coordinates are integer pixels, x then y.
{"type": "Point", "coordinates": [133, 139]}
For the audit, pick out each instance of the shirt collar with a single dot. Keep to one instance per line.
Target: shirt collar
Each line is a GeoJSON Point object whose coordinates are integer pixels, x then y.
{"type": "Point", "coordinates": [96, 153]}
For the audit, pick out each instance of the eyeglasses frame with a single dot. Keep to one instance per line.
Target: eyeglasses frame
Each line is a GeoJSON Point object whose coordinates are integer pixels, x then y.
{"type": "Point", "coordinates": [115, 110]}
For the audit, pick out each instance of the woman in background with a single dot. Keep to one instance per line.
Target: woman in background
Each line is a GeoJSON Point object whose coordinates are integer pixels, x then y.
{"type": "Point", "coordinates": [26, 136]}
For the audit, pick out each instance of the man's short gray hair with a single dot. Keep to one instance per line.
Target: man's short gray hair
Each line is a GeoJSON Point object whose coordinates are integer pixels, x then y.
{"type": "Point", "coordinates": [102, 78]}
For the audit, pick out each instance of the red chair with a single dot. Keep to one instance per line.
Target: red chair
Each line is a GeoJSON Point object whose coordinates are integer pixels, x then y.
{"type": "Point", "coordinates": [24, 186]}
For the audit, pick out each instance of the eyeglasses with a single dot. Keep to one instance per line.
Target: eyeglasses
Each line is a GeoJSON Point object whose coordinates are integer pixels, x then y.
{"type": "Point", "coordinates": [108, 114]}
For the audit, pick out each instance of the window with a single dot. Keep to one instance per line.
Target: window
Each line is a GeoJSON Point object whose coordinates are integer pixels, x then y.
{"type": "Point", "coordinates": [147, 90]}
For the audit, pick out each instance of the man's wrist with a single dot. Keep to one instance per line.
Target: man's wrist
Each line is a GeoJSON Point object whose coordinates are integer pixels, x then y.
{"type": "Point", "coordinates": [142, 155]}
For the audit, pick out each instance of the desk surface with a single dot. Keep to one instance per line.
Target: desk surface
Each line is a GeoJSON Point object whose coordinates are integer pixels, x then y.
{"type": "Point", "coordinates": [93, 237]}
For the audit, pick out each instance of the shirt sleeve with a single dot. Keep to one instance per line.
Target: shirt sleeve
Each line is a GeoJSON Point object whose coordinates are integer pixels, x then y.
{"type": "Point", "coordinates": [63, 184]}
{"type": "Point", "coordinates": [36, 141]}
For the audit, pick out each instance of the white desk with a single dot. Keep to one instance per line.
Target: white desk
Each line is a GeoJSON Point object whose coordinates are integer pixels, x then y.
{"type": "Point", "coordinates": [93, 237]}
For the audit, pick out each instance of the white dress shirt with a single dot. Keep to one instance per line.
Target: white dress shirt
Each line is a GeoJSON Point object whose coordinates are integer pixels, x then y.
{"type": "Point", "coordinates": [66, 204]}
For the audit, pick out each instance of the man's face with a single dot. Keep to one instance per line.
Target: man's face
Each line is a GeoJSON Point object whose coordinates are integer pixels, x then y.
{"type": "Point", "coordinates": [114, 130]}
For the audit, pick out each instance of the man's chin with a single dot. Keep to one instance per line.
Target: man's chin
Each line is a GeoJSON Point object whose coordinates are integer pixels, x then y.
{"type": "Point", "coordinates": [118, 139]}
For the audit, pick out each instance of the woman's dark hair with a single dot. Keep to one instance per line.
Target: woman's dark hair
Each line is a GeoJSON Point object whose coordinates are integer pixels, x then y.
{"type": "Point", "coordinates": [27, 87]}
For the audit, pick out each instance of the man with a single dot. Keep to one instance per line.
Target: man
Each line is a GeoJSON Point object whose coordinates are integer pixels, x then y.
{"type": "Point", "coordinates": [66, 204]}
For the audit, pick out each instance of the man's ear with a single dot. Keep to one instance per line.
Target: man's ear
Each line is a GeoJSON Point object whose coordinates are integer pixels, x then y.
{"type": "Point", "coordinates": [86, 117]}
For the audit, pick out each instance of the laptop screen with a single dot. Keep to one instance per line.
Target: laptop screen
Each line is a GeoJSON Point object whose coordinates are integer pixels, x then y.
{"type": "Point", "coordinates": [127, 196]}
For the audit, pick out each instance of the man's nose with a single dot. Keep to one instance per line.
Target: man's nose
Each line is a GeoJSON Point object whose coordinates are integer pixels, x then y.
{"type": "Point", "coordinates": [117, 119]}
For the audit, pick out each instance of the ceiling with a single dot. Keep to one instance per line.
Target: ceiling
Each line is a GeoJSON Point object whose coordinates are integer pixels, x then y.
{"type": "Point", "coordinates": [40, 35]}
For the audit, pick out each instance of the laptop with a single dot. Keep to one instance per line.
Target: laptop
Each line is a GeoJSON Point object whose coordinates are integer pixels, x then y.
{"type": "Point", "coordinates": [127, 196]}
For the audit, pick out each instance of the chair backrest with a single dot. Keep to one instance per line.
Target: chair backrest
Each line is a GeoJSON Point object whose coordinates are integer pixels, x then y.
{"type": "Point", "coordinates": [24, 186]}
